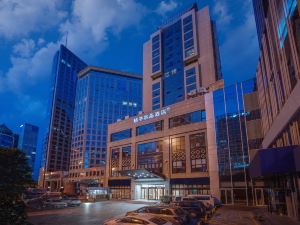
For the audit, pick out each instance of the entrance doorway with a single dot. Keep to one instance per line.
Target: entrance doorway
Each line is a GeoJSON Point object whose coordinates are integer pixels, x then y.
{"type": "Point", "coordinates": [152, 191]}
{"type": "Point", "coordinates": [226, 196]}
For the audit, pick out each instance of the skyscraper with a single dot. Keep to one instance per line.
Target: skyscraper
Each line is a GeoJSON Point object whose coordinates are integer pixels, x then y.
{"type": "Point", "coordinates": [28, 142]}
{"type": "Point", "coordinates": [102, 97]}
{"type": "Point", "coordinates": [57, 144]}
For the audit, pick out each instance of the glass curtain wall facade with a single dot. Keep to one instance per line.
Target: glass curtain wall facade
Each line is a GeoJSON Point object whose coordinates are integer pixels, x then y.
{"type": "Point", "coordinates": [57, 144]}
{"type": "Point", "coordinates": [102, 98]}
{"type": "Point", "coordinates": [233, 143]}
{"type": "Point", "coordinates": [28, 142]}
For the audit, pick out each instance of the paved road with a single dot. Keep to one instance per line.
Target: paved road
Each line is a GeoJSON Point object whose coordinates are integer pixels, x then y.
{"type": "Point", "coordinates": [233, 216]}
{"type": "Point", "coordinates": [86, 214]}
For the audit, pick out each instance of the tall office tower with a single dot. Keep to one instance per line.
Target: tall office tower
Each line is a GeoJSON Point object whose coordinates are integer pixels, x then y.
{"type": "Point", "coordinates": [180, 59]}
{"type": "Point", "coordinates": [28, 142]}
{"type": "Point", "coordinates": [234, 125]}
{"type": "Point", "coordinates": [57, 145]}
{"type": "Point", "coordinates": [103, 96]}
{"type": "Point", "coordinates": [164, 149]}
{"type": "Point", "coordinates": [7, 138]}
{"type": "Point", "coordinates": [278, 74]}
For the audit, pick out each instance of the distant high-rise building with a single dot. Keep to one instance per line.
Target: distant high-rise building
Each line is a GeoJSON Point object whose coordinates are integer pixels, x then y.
{"type": "Point", "coordinates": [7, 138]}
{"type": "Point", "coordinates": [28, 142]}
{"type": "Point", "coordinates": [57, 143]}
{"type": "Point", "coordinates": [103, 96]}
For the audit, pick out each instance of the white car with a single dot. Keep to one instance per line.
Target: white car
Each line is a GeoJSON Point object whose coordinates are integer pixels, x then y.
{"type": "Point", "coordinates": [206, 199]}
{"type": "Point", "coordinates": [174, 214]}
{"type": "Point", "coordinates": [138, 219]}
{"type": "Point", "coordinates": [55, 203]}
{"type": "Point", "coordinates": [71, 201]}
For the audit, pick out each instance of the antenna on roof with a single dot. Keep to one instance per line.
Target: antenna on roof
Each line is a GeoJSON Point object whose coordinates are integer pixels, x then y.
{"type": "Point", "coordinates": [67, 39]}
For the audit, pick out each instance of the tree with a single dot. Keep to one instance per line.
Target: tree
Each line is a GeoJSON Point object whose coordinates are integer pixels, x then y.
{"type": "Point", "coordinates": [15, 176]}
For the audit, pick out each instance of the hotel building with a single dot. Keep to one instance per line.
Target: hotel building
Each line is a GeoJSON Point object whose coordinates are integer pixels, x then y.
{"type": "Point", "coordinates": [278, 74]}
{"type": "Point", "coordinates": [103, 96]}
{"type": "Point", "coordinates": [165, 149]}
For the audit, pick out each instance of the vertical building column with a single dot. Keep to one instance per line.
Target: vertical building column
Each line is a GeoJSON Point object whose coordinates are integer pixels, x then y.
{"type": "Point", "coordinates": [212, 146]}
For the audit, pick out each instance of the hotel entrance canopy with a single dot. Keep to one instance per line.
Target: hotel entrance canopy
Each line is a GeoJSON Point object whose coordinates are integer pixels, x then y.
{"type": "Point", "coordinates": [273, 161]}
{"type": "Point", "coordinates": [141, 174]}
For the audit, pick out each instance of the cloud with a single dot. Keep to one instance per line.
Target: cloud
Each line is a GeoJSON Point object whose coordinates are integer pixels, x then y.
{"type": "Point", "coordinates": [222, 14]}
{"type": "Point", "coordinates": [88, 28]}
{"type": "Point", "coordinates": [92, 21]}
{"type": "Point", "coordinates": [29, 66]}
{"type": "Point", "coordinates": [165, 7]}
{"type": "Point", "coordinates": [24, 48]}
{"type": "Point", "coordinates": [19, 18]}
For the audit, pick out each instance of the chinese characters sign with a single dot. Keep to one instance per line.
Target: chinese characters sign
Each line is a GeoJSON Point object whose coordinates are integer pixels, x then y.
{"type": "Point", "coordinates": [151, 115]}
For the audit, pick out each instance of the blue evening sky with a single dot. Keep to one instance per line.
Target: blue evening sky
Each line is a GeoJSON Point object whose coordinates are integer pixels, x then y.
{"type": "Point", "coordinates": [107, 33]}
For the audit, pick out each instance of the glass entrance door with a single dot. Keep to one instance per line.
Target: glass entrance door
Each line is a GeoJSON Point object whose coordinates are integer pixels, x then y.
{"type": "Point", "coordinates": [152, 192]}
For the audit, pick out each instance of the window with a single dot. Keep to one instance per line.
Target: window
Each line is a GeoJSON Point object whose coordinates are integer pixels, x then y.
{"type": "Point", "coordinates": [178, 155]}
{"type": "Point", "coordinates": [190, 80]}
{"type": "Point", "coordinates": [149, 156]}
{"type": "Point", "coordinates": [121, 135]}
{"type": "Point", "coordinates": [155, 95]}
{"type": "Point", "coordinates": [149, 128]}
{"type": "Point", "coordinates": [189, 118]}
{"type": "Point", "coordinates": [155, 54]}
{"type": "Point", "coordinates": [198, 152]}
{"type": "Point", "coordinates": [188, 37]}
{"type": "Point", "coordinates": [126, 157]}
{"type": "Point", "coordinates": [115, 157]}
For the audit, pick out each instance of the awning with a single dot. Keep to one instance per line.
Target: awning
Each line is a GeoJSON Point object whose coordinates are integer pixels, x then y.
{"type": "Point", "coordinates": [121, 182]}
{"type": "Point", "coordinates": [273, 161]}
{"type": "Point", "coordinates": [141, 174]}
{"type": "Point", "coordinates": [200, 180]}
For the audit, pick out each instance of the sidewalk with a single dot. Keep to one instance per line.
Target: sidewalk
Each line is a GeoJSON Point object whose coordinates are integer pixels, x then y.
{"type": "Point", "coordinates": [263, 217]}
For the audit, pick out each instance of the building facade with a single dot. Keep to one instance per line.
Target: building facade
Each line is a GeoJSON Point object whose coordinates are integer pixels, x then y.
{"type": "Point", "coordinates": [164, 149]}
{"type": "Point", "coordinates": [278, 74]}
{"type": "Point", "coordinates": [103, 96]}
{"type": "Point", "coordinates": [7, 138]}
{"type": "Point", "coordinates": [57, 143]}
{"type": "Point", "coordinates": [181, 59]}
{"type": "Point", "coordinates": [234, 127]}
{"type": "Point", "coordinates": [28, 142]}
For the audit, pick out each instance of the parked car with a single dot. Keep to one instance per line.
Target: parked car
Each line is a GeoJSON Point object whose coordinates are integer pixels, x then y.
{"type": "Point", "coordinates": [138, 219]}
{"type": "Point", "coordinates": [208, 207]}
{"type": "Point", "coordinates": [195, 208]}
{"type": "Point", "coordinates": [206, 199]}
{"type": "Point", "coordinates": [175, 214]}
{"type": "Point", "coordinates": [55, 203]}
{"type": "Point", "coordinates": [71, 201]}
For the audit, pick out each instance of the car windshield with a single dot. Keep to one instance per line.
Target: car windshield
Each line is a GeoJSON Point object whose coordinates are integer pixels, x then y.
{"type": "Point", "coordinates": [179, 211]}
{"type": "Point", "coordinates": [189, 204]}
{"type": "Point", "coordinates": [202, 198]}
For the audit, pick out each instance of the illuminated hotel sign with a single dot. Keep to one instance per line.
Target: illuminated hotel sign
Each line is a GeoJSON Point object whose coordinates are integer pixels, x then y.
{"type": "Point", "coordinates": [151, 115]}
